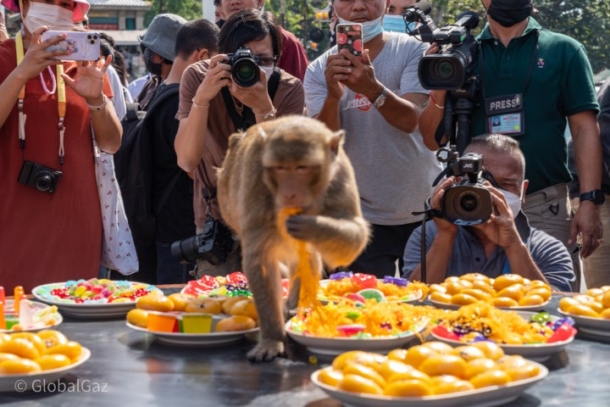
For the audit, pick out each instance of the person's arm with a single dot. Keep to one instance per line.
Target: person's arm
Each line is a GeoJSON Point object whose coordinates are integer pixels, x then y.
{"type": "Point", "coordinates": [588, 160]}
{"type": "Point", "coordinates": [604, 123]}
{"type": "Point", "coordinates": [328, 88]}
{"type": "Point", "coordinates": [431, 117]}
{"type": "Point", "coordinates": [553, 260]}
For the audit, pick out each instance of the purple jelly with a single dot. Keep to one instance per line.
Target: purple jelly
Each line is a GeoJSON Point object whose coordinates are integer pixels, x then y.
{"type": "Point", "coordinates": [341, 275]}
{"type": "Point", "coordinates": [401, 282]}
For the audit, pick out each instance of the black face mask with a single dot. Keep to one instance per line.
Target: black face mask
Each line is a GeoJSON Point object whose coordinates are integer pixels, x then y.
{"type": "Point", "coordinates": [154, 69]}
{"type": "Point", "coordinates": [510, 12]}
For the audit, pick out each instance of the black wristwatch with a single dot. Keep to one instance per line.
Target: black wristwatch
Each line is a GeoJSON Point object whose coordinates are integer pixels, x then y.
{"type": "Point", "coordinates": [596, 196]}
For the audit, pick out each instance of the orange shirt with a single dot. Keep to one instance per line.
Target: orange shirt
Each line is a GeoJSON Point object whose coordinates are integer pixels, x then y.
{"type": "Point", "coordinates": [44, 237]}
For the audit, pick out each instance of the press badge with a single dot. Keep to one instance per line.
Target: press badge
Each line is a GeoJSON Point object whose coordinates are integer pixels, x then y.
{"type": "Point", "coordinates": [505, 115]}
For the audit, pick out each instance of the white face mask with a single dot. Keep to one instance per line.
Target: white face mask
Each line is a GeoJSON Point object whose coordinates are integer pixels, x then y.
{"type": "Point", "coordinates": [513, 201]}
{"type": "Point", "coordinates": [40, 14]}
{"type": "Point", "coordinates": [268, 71]}
{"type": "Point", "coordinates": [370, 29]}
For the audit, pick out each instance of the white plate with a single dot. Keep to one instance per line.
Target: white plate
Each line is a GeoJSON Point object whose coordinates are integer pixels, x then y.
{"type": "Point", "coordinates": [182, 339]}
{"type": "Point", "coordinates": [520, 308]}
{"type": "Point", "coordinates": [485, 397]}
{"type": "Point", "coordinates": [336, 346]}
{"type": "Point", "coordinates": [35, 306]}
{"type": "Point", "coordinates": [538, 352]}
{"type": "Point", "coordinates": [595, 326]}
{"type": "Point", "coordinates": [86, 310]}
{"type": "Point", "coordinates": [413, 298]}
{"type": "Point", "coordinates": [23, 382]}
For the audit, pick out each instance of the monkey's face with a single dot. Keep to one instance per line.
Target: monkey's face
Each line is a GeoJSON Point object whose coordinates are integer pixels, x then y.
{"type": "Point", "coordinates": [296, 184]}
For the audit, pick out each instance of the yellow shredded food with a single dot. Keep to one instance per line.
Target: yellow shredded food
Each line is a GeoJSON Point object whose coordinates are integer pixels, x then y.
{"type": "Point", "coordinates": [335, 289]}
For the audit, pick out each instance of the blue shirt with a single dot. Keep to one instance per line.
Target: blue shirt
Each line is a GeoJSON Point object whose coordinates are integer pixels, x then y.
{"type": "Point", "coordinates": [468, 254]}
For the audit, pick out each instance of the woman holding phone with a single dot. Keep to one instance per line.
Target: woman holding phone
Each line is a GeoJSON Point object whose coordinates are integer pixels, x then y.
{"type": "Point", "coordinates": [49, 111]}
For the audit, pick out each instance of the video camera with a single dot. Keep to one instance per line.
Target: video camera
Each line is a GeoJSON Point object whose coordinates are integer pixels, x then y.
{"type": "Point", "coordinates": [213, 245]}
{"type": "Point", "coordinates": [452, 68]}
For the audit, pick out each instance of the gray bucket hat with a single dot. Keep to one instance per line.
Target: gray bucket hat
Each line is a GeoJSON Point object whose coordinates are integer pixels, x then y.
{"type": "Point", "coordinates": [161, 34]}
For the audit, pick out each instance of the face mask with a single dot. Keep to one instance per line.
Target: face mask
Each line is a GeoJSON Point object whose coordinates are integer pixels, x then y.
{"type": "Point", "coordinates": [394, 23]}
{"type": "Point", "coordinates": [153, 68]}
{"type": "Point", "coordinates": [40, 14]}
{"type": "Point", "coordinates": [268, 71]}
{"type": "Point", "coordinates": [510, 12]}
{"type": "Point", "coordinates": [513, 201]}
{"type": "Point", "coordinates": [370, 29]}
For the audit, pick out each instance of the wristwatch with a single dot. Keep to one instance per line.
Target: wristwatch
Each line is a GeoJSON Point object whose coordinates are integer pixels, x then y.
{"type": "Point", "coordinates": [381, 98]}
{"type": "Point", "coordinates": [596, 196]}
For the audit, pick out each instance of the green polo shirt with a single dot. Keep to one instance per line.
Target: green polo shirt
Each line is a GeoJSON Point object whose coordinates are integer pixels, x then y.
{"type": "Point", "coordinates": [561, 85]}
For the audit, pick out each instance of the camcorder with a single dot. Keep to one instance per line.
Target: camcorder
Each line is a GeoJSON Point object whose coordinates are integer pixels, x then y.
{"type": "Point", "coordinates": [39, 177]}
{"type": "Point", "coordinates": [468, 203]}
{"type": "Point", "coordinates": [213, 245]}
{"type": "Point", "coordinates": [244, 67]}
{"type": "Point", "coordinates": [453, 67]}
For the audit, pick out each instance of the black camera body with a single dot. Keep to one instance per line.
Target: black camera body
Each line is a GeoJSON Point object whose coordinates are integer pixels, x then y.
{"type": "Point", "coordinates": [39, 177]}
{"type": "Point", "coordinates": [469, 203]}
{"type": "Point", "coordinates": [213, 245]}
{"type": "Point", "coordinates": [244, 67]}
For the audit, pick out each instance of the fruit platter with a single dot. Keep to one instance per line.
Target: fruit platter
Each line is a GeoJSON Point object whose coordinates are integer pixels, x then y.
{"type": "Point", "coordinates": [533, 335]}
{"type": "Point", "coordinates": [430, 375]}
{"type": "Point", "coordinates": [27, 358]}
{"type": "Point", "coordinates": [233, 285]}
{"type": "Point", "coordinates": [183, 319]}
{"type": "Point", "coordinates": [360, 286]}
{"type": "Point", "coordinates": [31, 316]}
{"type": "Point", "coordinates": [591, 311]}
{"type": "Point", "coordinates": [94, 298]}
{"type": "Point", "coordinates": [508, 291]}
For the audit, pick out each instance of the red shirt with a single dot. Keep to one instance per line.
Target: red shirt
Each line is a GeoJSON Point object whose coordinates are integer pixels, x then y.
{"type": "Point", "coordinates": [294, 58]}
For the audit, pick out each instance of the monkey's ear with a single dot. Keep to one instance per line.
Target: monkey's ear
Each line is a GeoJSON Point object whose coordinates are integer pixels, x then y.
{"type": "Point", "coordinates": [336, 140]}
{"type": "Point", "coordinates": [235, 139]}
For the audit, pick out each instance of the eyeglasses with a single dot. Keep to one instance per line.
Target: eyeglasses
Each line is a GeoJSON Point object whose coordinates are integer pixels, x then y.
{"type": "Point", "coordinates": [266, 61]}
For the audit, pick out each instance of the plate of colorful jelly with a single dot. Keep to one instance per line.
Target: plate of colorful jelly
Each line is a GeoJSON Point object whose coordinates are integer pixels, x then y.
{"type": "Point", "coordinates": [189, 329]}
{"type": "Point", "coordinates": [31, 316]}
{"type": "Point", "coordinates": [94, 298]}
{"type": "Point", "coordinates": [233, 285]}
{"type": "Point", "coordinates": [554, 334]}
{"type": "Point", "coordinates": [359, 286]}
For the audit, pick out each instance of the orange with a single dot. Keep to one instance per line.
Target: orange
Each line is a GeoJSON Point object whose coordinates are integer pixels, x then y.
{"type": "Point", "coordinates": [19, 366]}
{"type": "Point", "coordinates": [228, 303]}
{"type": "Point", "coordinates": [408, 388]}
{"type": "Point", "coordinates": [566, 303]}
{"type": "Point", "coordinates": [71, 349]}
{"type": "Point", "coordinates": [439, 347]}
{"type": "Point", "coordinates": [490, 378]}
{"type": "Point", "coordinates": [583, 310]}
{"type": "Point", "coordinates": [203, 305]}
{"type": "Point", "coordinates": [4, 337]}
{"type": "Point", "coordinates": [605, 314]}
{"type": "Point", "coordinates": [595, 306]}
{"type": "Point", "coordinates": [417, 354]}
{"type": "Point", "coordinates": [478, 366]}
{"type": "Point", "coordinates": [606, 300]}
{"type": "Point", "coordinates": [444, 365]}
{"type": "Point", "coordinates": [594, 292]}
{"type": "Point", "coordinates": [476, 293]}
{"type": "Point", "coordinates": [358, 384]}
{"type": "Point", "coordinates": [472, 277]}
{"type": "Point", "coordinates": [514, 291]}
{"type": "Point", "coordinates": [583, 299]}
{"type": "Point", "coordinates": [511, 361]}
{"type": "Point", "coordinates": [138, 317]}
{"type": "Point", "coordinates": [51, 337]}
{"type": "Point", "coordinates": [49, 362]}
{"type": "Point", "coordinates": [437, 288]}
{"type": "Point", "coordinates": [490, 349]}
{"type": "Point", "coordinates": [531, 299]}
{"type": "Point", "coordinates": [33, 339]}
{"type": "Point", "coordinates": [463, 299]}
{"type": "Point", "coordinates": [412, 374]}
{"type": "Point", "coordinates": [544, 292]}
{"type": "Point", "coordinates": [504, 302]}
{"type": "Point", "coordinates": [446, 385]}
{"type": "Point", "coordinates": [506, 280]}
{"type": "Point", "coordinates": [398, 354]}
{"type": "Point", "coordinates": [484, 286]}
{"type": "Point", "coordinates": [155, 302]}
{"type": "Point", "coordinates": [20, 347]}
{"type": "Point", "coordinates": [523, 372]}
{"type": "Point", "coordinates": [468, 352]}
{"type": "Point", "coordinates": [180, 300]}
{"type": "Point", "coordinates": [235, 323]}
{"type": "Point", "coordinates": [330, 376]}
{"type": "Point", "coordinates": [440, 297]}
{"type": "Point", "coordinates": [7, 356]}
{"type": "Point", "coordinates": [245, 307]}
{"type": "Point", "coordinates": [366, 372]}
{"type": "Point", "coordinates": [356, 356]}
{"type": "Point", "coordinates": [454, 287]}
{"type": "Point", "coordinates": [392, 367]}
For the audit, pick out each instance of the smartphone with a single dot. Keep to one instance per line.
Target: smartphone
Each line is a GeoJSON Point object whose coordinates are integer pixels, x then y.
{"type": "Point", "coordinates": [83, 45]}
{"type": "Point", "coordinates": [350, 36]}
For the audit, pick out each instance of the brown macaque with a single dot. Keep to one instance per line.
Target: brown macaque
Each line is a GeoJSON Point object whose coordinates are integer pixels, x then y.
{"type": "Point", "coordinates": [291, 162]}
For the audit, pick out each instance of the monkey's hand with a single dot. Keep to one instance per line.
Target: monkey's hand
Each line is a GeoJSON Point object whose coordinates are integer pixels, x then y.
{"type": "Point", "coordinates": [266, 351]}
{"type": "Point", "coordinates": [304, 227]}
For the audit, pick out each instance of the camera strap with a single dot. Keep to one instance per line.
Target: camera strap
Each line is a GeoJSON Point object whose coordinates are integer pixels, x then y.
{"type": "Point", "coordinates": [61, 102]}
{"type": "Point", "coordinates": [247, 118]}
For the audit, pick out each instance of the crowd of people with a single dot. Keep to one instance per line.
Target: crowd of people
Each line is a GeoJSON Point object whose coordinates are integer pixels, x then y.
{"type": "Point", "coordinates": [393, 125]}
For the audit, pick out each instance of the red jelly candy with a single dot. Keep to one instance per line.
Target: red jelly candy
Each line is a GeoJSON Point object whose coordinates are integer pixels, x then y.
{"type": "Point", "coordinates": [563, 333]}
{"type": "Point", "coordinates": [444, 333]}
{"type": "Point", "coordinates": [364, 280]}
{"type": "Point", "coordinates": [236, 277]}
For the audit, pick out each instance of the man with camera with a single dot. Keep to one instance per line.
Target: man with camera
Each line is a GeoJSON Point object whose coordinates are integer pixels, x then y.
{"type": "Point", "coordinates": [500, 240]}
{"type": "Point", "coordinates": [535, 81]}
{"type": "Point", "coordinates": [237, 88]}
{"type": "Point", "coordinates": [377, 99]}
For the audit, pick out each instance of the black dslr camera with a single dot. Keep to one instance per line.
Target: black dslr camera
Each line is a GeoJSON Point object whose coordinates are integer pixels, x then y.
{"type": "Point", "coordinates": [244, 67]}
{"type": "Point", "coordinates": [468, 203]}
{"type": "Point", "coordinates": [452, 68]}
{"type": "Point", "coordinates": [213, 245]}
{"type": "Point", "coordinates": [38, 176]}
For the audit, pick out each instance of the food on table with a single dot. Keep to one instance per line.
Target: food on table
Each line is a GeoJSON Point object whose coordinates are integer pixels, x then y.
{"type": "Point", "coordinates": [31, 316]}
{"type": "Point", "coordinates": [483, 322]}
{"type": "Point", "coordinates": [441, 372]}
{"type": "Point", "coordinates": [233, 285]}
{"type": "Point", "coordinates": [25, 352]}
{"type": "Point", "coordinates": [95, 291]}
{"type": "Point", "coordinates": [348, 284]}
{"type": "Point", "coordinates": [595, 303]}
{"type": "Point", "coordinates": [505, 291]}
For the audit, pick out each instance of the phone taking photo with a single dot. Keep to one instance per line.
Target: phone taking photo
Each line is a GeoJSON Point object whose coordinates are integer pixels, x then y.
{"type": "Point", "coordinates": [83, 45]}
{"type": "Point", "coordinates": [350, 36]}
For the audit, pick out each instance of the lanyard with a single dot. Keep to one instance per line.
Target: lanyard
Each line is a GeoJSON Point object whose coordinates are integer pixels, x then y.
{"type": "Point", "coordinates": [61, 101]}
{"type": "Point", "coordinates": [529, 72]}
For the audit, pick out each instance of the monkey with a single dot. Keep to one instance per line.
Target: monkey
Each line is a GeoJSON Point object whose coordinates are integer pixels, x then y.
{"type": "Point", "coordinates": [290, 162]}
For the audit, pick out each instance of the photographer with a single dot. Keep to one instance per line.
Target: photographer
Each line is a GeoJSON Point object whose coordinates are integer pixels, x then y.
{"type": "Point", "coordinates": [536, 80]}
{"type": "Point", "coordinates": [503, 244]}
{"type": "Point", "coordinates": [213, 106]}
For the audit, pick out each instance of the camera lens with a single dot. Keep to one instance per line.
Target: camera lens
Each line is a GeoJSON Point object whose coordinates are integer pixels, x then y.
{"type": "Point", "coordinates": [469, 202]}
{"type": "Point", "coordinates": [44, 181]}
{"type": "Point", "coordinates": [444, 69]}
{"type": "Point", "coordinates": [187, 250]}
{"type": "Point", "coordinates": [245, 72]}
{"type": "Point", "coordinates": [89, 36]}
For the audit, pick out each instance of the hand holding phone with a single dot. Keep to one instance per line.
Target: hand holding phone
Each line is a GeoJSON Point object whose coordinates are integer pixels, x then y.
{"type": "Point", "coordinates": [82, 45]}
{"type": "Point", "coordinates": [350, 36]}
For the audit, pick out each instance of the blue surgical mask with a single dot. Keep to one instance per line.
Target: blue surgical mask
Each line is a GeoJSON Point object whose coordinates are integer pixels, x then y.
{"type": "Point", "coordinates": [396, 23]}
{"type": "Point", "coordinates": [370, 29]}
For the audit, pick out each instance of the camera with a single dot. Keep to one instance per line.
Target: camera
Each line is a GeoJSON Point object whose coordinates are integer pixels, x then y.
{"type": "Point", "coordinates": [452, 68]}
{"type": "Point", "coordinates": [38, 176]}
{"type": "Point", "coordinates": [244, 67]}
{"type": "Point", "coordinates": [469, 203]}
{"type": "Point", "coordinates": [213, 245]}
